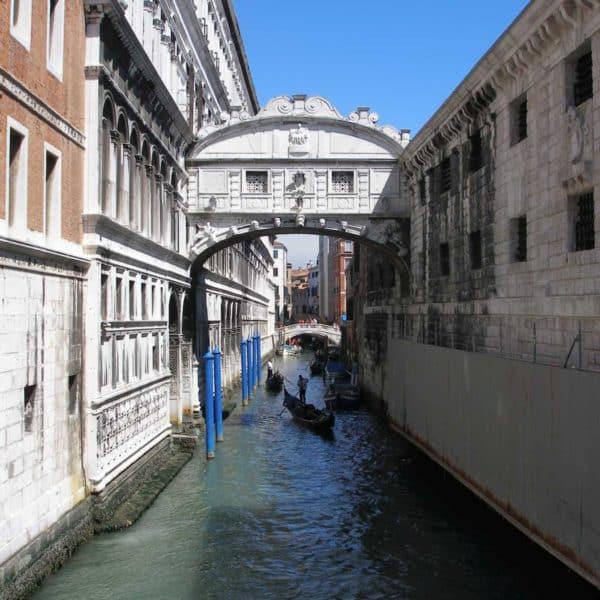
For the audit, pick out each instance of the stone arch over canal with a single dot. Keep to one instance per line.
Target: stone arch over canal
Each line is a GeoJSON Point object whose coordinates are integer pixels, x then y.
{"type": "Point", "coordinates": [298, 166]}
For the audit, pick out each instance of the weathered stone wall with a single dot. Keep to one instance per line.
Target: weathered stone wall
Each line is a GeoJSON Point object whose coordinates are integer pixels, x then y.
{"type": "Point", "coordinates": [41, 476]}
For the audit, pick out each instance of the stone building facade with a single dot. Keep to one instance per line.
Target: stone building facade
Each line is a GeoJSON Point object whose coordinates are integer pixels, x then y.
{"type": "Point", "coordinates": [235, 299]}
{"type": "Point", "coordinates": [503, 264]}
{"type": "Point", "coordinates": [503, 211]}
{"type": "Point", "coordinates": [42, 272]}
{"type": "Point", "coordinates": [156, 73]}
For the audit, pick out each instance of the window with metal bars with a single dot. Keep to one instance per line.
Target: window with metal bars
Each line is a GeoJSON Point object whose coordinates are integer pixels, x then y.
{"type": "Point", "coordinates": [342, 181]}
{"type": "Point", "coordinates": [584, 223]}
{"type": "Point", "coordinates": [422, 191]}
{"type": "Point", "coordinates": [583, 79]}
{"type": "Point", "coordinates": [257, 182]}
{"type": "Point", "coordinates": [518, 117]}
{"type": "Point", "coordinates": [519, 238]}
{"type": "Point", "coordinates": [445, 176]}
{"type": "Point", "coordinates": [475, 249]}
{"type": "Point", "coordinates": [476, 155]}
{"type": "Point", "coordinates": [444, 259]}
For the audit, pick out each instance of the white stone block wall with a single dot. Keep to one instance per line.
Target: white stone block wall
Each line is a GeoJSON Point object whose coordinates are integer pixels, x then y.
{"type": "Point", "coordinates": [41, 474]}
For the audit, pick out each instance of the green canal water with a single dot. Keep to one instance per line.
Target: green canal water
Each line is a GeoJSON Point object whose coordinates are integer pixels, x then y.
{"type": "Point", "coordinates": [284, 513]}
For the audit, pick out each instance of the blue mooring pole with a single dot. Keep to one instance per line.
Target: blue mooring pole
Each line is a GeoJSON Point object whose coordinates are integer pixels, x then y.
{"type": "Point", "coordinates": [218, 396]}
{"type": "Point", "coordinates": [250, 367]}
{"type": "Point", "coordinates": [259, 353]}
{"type": "Point", "coordinates": [209, 407]}
{"type": "Point", "coordinates": [244, 359]}
{"type": "Point", "coordinates": [256, 358]}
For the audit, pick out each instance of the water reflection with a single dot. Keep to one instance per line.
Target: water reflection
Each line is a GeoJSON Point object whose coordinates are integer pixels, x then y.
{"type": "Point", "coordinates": [284, 513]}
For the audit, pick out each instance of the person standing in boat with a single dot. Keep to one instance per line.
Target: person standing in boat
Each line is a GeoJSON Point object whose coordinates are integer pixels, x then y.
{"type": "Point", "coordinates": [269, 369]}
{"type": "Point", "coordinates": [302, 388]}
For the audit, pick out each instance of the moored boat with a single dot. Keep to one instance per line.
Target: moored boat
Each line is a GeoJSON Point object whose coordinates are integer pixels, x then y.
{"type": "Point", "coordinates": [316, 367]}
{"type": "Point", "coordinates": [307, 414]}
{"type": "Point", "coordinates": [275, 382]}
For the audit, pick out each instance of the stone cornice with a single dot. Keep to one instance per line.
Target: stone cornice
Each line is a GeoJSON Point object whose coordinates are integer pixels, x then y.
{"type": "Point", "coordinates": [102, 73]}
{"type": "Point", "coordinates": [116, 15]}
{"type": "Point", "coordinates": [540, 26]}
{"type": "Point", "coordinates": [103, 225]}
{"type": "Point", "coordinates": [18, 90]}
{"type": "Point", "coordinates": [31, 257]}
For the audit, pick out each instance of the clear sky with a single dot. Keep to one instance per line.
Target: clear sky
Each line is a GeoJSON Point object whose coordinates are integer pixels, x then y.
{"type": "Point", "coordinates": [402, 58]}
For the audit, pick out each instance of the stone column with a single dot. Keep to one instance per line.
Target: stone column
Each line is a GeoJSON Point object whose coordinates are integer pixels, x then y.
{"type": "Point", "coordinates": [111, 185]}
{"type": "Point", "coordinates": [157, 217]}
{"type": "Point", "coordinates": [125, 182]}
{"type": "Point", "coordinates": [147, 201]}
{"type": "Point", "coordinates": [138, 192]}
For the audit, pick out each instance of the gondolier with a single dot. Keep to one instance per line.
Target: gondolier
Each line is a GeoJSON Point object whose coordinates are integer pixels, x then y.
{"type": "Point", "coordinates": [302, 388]}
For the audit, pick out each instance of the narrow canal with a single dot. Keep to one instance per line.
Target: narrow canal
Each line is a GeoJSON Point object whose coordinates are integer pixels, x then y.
{"type": "Point", "coordinates": [284, 513]}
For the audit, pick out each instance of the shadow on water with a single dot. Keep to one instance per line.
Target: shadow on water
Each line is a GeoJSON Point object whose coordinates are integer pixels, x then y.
{"type": "Point", "coordinates": [284, 513]}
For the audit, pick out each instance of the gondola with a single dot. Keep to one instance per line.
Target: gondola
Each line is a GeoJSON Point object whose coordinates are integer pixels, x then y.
{"type": "Point", "coordinates": [316, 367]}
{"type": "Point", "coordinates": [275, 382]}
{"type": "Point", "coordinates": [307, 414]}
{"type": "Point", "coordinates": [342, 396]}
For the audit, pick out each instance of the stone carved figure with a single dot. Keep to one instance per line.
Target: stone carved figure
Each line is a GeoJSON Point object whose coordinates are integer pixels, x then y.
{"type": "Point", "coordinates": [576, 129]}
{"type": "Point", "coordinates": [299, 181]}
{"type": "Point", "coordinates": [298, 139]}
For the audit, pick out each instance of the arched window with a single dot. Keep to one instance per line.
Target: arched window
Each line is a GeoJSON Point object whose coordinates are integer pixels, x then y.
{"type": "Point", "coordinates": [108, 124]}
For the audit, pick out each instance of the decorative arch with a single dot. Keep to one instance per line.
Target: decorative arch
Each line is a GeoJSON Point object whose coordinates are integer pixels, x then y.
{"type": "Point", "coordinates": [108, 110]}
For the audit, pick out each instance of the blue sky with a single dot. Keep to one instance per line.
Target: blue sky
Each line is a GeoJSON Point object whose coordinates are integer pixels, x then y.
{"type": "Point", "coordinates": [400, 57]}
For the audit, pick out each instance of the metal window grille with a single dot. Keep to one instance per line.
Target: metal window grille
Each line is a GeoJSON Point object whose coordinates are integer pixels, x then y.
{"type": "Point", "coordinates": [444, 259]}
{"type": "Point", "coordinates": [583, 83]}
{"type": "Point", "coordinates": [342, 181]}
{"type": "Point", "coordinates": [584, 223]}
{"type": "Point", "coordinates": [522, 120]}
{"type": "Point", "coordinates": [476, 156]}
{"type": "Point", "coordinates": [445, 175]}
{"type": "Point", "coordinates": [256, 182]}
{"type": "Point", "coordinates": [422, 191]}
{"type": "Point", "coordinates": [521, 246]}
{"type": "Point", "coordinates": [475, 249]}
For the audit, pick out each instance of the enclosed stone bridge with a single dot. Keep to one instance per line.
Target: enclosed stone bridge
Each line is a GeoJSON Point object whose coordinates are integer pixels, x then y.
{"type": "Point", "coordinates": [333, 334]}
{"type": "Point", "coordinates": [298, 166]}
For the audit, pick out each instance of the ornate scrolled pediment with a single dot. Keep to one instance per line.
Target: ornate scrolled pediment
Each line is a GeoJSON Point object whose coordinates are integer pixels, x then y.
{"type": "Point", "coordinates": [313, 106]}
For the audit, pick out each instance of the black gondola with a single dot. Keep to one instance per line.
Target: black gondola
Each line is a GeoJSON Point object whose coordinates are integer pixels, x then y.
{"type": "Point", "coordinates": [275, 382]}
{"type": "Point", "coordinates": [316, 367]}
{"type": "Point", "coordinates": [307, 414]}
{"type": "Point", "coordinates": [342, 396]}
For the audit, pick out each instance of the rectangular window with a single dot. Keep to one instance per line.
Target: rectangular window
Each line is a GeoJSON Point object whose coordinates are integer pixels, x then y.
{"type": "Point", "coordinates": [20, 21]}
{"type": "Point", "coordinates": [275, 253]}
{"type": "Point", "coordinates": [52, 204]}
{"type": "Point", "coordinates": [73, 385]}
{"type": "Point", "coordinates": [56, 16]}
{"type": "Point", "coordinates": [475, 249]}
{"type": "Point", "coordinates": [342, 182]}
{"type": "Point", "coordinates": [144, 300]}
{"type": "Point", "coordinates": [583, 82]}
{"type": "Point", "coordinates": [518, 238]}
{"type": "Point", "coordinates": [16, 190]}
{"type": "Point", "coordinates": [29, 407]}
{"type": "Point", "coordinates": [275, 272]}
{"type": "Point", "coordinates": [422, 191]}
{"type": "Point", "coordinates": [445, 176]}
{"type": "Point", "coordinates": [104, 296]}
{"type": "Point", "coordinates": [347, 246]}
{"type": "Point", "coordinates": [132, 300]}
{"type": "Point", "coordinates": [582, 214]}
{"type": "Point", "coordinates": [119, 299]}
{"type": "Point", "coordinates": [476, 155]}
{"type": "Point", "coordinates": [444, 259]}
{"type": "Point", "coordinates": [518, 120]}
{"type": "Point", "coordinates": [155, 354]}
{"type": "Point", "coordinates": [257, 182]}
